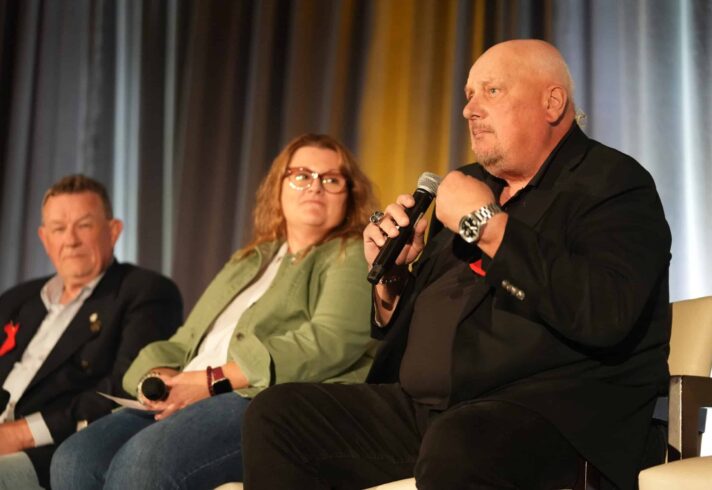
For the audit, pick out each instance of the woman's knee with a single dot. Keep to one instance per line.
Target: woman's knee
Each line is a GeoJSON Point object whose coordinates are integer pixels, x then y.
{"type": "Point", "coordinates": [169, 453]}
{"type": "Point", "coordinates": [76, 463]}
{"type": "Point", "coordinates": [82, 460]}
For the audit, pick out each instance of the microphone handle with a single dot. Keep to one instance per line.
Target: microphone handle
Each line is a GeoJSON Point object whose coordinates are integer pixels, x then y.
{"type": "Point", "coordinates": [392, 248]}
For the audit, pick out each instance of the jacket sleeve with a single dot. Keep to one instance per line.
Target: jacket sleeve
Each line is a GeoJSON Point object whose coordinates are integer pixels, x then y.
{"type": "Point", "coordinates": [175, 352]}
{"type": "Point", "coordinates": [150, 308]}
{"type": "Point", "coordinates": [590, 276]}
{"type": "Point", "coordinates": [170, 353]}
{"type": "Point", "coordinates": [327, 344]}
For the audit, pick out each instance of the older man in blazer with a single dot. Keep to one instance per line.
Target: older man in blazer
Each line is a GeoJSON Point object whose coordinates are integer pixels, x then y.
{"type": "Point", "coordinates": [531, 333]}
{"type": "Point", "coordinates": [71, 335]}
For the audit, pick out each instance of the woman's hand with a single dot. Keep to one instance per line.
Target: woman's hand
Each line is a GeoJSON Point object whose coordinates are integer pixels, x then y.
{"type": "Point", "coordinates": [164, 373]}
{"type": "Point", "coordinates": [183, 389]}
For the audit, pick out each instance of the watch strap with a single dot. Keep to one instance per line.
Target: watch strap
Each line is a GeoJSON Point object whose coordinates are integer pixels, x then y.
{"type": "Point", "coordinates": [218, 383]}
{"type": "Point", "coordinates": [218, 374]}
{"type": "Point", "coordinates": [209, 373]}
{"type": "Point", "coordinates": [486, 212]}
{"type": "Point", "coordinates": [471, 224]}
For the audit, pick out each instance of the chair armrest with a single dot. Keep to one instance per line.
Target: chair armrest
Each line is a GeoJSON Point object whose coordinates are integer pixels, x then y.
{"type": "Point", "coordinates": [687, 395]}
{"type": "Point", "coordinates": [690, 474]}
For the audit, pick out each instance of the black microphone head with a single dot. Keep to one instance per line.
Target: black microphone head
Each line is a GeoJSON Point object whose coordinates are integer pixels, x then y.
{"type": "Point", "coordinates": [429, 182]}
{"type": "Point", "coordinates": [4, 398]}
{"type": "Point", "coordinates": [154, 389]}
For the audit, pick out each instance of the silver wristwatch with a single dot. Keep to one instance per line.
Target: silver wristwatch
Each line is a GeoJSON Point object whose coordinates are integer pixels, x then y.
{"type": "Point", "coordinates": [471, 224]}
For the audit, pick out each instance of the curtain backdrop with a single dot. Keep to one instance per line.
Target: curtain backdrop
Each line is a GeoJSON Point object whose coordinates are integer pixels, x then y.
{"type": "Point", "coordinates": [179, 107]}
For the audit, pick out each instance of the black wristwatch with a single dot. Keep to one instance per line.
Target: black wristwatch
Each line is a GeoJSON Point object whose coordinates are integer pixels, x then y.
{"type": "Point", "coordinates": [471, 224]}
{"type": "Point", "coordinates": [217, 382]}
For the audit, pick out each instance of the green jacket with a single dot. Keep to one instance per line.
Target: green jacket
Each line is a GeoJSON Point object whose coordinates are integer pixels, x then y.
{"type": "Point", "coordinates": [312, 323]}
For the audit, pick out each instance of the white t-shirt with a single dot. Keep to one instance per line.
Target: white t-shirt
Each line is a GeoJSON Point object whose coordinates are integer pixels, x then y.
{"type": "Point", "coordinates": [213, 349]}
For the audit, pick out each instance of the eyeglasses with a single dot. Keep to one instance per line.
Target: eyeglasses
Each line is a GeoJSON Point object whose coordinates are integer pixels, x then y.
{"type": "Point", "coordinates": [301, 179]}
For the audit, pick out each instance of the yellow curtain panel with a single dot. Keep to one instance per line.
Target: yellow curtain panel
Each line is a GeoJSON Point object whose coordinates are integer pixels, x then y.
{"type": "Point", "coordinates": [406, 114]}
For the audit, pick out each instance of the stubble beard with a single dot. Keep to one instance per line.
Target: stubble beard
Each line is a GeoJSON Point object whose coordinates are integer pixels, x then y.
{"type": "Point", "coordinates": [487, 153]}
{"type": "Point", "coordinates": [489, 159]}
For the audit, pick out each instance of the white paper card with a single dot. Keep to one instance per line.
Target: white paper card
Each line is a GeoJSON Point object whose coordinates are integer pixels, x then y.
{"type": "Point", "coordinates": [125, 402]}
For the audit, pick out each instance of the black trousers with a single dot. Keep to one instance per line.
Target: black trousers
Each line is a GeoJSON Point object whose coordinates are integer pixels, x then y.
{"type": "Point", "coordinates": [319, 436]}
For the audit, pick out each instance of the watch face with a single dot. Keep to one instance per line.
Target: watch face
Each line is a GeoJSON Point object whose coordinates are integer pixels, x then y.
{"type": "Point", "coordinates": [469, 229]}
{"type": "Point", "coordinates": [222, 386]}
{"type": "Point", "coordinates": [471, 224]}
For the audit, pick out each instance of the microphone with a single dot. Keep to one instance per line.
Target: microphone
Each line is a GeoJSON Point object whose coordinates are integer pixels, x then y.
{"type": "Point", "coordinates": [4, 398]}
{"type": "Point", "coordinates": [153, 388]}
{"type": "Point", "coordinates": [427, 189]}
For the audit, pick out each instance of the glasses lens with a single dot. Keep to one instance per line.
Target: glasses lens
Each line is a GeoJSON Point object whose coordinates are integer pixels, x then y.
{"type": "Point", "coordinates": [333, 182]}
{"type": "Point", "coordinates": [300, 178]}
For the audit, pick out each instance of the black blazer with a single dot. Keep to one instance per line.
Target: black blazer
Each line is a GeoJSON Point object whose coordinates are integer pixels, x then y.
{"type": "Point", "coordinates": [587, 346]}
{"type": "Point", "coordinates": [133, 307]}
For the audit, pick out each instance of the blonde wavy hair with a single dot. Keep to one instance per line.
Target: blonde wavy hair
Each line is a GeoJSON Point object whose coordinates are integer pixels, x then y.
{"type": "Point", "coordinates": [268, 219]}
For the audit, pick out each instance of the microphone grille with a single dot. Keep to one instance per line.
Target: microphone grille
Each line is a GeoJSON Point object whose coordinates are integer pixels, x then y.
{"type": "Point", "coordinates": [154, 389]}
{"type": "Point", "coordinates": [429, 182]}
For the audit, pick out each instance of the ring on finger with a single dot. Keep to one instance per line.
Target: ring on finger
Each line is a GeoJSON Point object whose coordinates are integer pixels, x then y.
{"type": "Point", "coordinates": [376, 217]}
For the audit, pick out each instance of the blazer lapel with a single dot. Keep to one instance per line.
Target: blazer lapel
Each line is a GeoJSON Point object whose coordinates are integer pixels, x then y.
{"type": "Point", "coordinates": [533, 206]}
{"type": "Point", "coordinates": [30, 317]}
{"type": "Point", "coordinates": [564, 160]}
{"type": "Point", "coordinates": [97, 309]}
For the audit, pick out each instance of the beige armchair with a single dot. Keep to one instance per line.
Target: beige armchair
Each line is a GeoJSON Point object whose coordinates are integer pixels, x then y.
{"type": "Point", "coordinates": [690, 365]}
{"type": "Point", "coordinates": [686, 474]}
{"type": "Point", "coordinates": [690, 389]}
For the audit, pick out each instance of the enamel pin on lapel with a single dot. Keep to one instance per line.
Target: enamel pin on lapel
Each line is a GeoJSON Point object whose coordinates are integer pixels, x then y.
{"type": "Point", "coordinates": [10, 332]}
{"type": "Point", "coordinates": [94, 323]}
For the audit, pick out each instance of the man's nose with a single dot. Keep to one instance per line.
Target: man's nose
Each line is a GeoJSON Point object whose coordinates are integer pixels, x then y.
{"type": "Point", "coordinates": [71, 237]}
{"type": "Point", "coordinates": [472, 108]}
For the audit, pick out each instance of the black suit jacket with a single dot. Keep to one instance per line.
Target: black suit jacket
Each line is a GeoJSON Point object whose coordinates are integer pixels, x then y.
{"type": "Point", "coordinates": [133, 307]}
{"type": "Point", "coordinates": [587, 346]}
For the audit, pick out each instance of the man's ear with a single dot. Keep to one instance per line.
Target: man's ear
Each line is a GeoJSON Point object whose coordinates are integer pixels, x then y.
{"type": "Point", "coordinates": [556, 102]}
{"type": "Point", "coordinates": [116, 226]}
{"type": "Point", "coordinates": [42, 233]}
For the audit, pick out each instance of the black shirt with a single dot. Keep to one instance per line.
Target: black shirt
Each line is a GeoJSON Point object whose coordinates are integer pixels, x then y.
{"type": "Point", "coordinates": [440, 367]}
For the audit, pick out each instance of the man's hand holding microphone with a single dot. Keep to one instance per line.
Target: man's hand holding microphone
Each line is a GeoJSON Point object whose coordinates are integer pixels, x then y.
{"type": "Point", "coordinates": [394, 238]}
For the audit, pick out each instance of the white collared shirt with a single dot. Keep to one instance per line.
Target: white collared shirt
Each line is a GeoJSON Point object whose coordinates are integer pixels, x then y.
{"type": "Point", "coordinates": [213, 349]}
{"type": "Point", "coordinates": [55, 323]}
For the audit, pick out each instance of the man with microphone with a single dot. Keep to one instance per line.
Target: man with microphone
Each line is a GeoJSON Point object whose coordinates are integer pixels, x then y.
{"type": "Point", "coordinates": [530, 333]}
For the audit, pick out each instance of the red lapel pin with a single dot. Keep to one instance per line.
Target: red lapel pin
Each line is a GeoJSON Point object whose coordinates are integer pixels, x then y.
{"type": "Point", "coordinates": [9, 344]}
{"type": "Point", "coordinates": [477, 268]}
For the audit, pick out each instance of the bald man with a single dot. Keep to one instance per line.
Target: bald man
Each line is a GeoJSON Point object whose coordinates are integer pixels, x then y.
{"type": "Point", "coordinates": [531, 332]}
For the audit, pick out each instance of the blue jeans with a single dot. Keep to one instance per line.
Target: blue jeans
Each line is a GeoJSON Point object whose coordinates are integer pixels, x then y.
{"type": "Point", "coordinates": [196, 447]}
{"type": "Point", "coordinates": [17, 472]}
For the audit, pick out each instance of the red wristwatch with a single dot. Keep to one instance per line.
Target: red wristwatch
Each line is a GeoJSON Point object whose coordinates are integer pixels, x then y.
{"type": "Point", "coordinates": [218, 382]}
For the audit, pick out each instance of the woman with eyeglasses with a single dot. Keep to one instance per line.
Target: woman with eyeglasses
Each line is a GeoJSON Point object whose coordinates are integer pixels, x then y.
{"type": "Point", "coordinates": [293, 305]}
